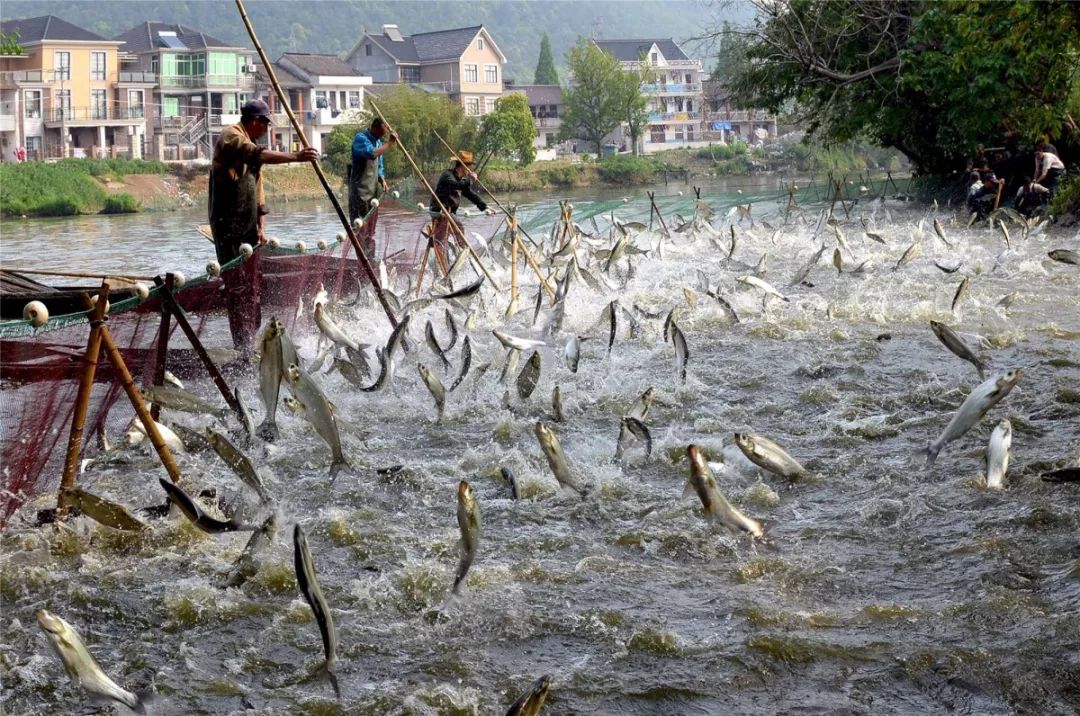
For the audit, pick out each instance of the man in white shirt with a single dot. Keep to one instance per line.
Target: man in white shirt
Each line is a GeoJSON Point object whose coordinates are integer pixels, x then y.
{"type": "Point", "coordinates": [1048, 169]}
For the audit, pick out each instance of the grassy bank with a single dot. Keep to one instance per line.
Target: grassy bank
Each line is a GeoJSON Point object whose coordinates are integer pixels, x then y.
{"type": "Point", "coordinates": [619, 170]}
{"type": "Point", "coordinates": [852, 158]}
{"type": "Point", "coordinates": [68, 187]}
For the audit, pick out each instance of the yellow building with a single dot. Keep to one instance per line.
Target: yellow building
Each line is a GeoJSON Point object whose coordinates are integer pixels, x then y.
{"type": "Point", "coordinates": [67, 96]}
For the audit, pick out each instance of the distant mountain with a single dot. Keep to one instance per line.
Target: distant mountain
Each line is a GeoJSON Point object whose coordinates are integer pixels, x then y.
{"type": "Point", "coordinates": [335, 25]}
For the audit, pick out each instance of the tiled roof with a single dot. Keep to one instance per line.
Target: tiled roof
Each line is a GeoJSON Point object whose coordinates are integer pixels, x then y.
{"type": "Point", "coordinates": [319, 64]}
{"type": "Point", "coordinates": [144, 37]}
{"type": "Point", "coordinates": [428, 46]}
{"type": "Point", "coordinates": [284, 77]}
{"type": "Point", "coordinates": [541, 94]}
{"type": "Point", "coordinates": [49, 27]}
{"type": "Point", "coordinates": [630, 50]}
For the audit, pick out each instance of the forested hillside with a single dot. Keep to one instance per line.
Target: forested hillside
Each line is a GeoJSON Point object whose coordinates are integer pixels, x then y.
{"type": "Point", "coordinates": [334, 26]}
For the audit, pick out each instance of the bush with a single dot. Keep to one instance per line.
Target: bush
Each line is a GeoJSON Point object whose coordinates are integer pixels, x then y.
{"type": "Point", "coordinates": [1067, 197]}
{"type": "Point", "coordinates": [723, 152]}
{"type": "Point", "coordinates": [627, 169]}
{"type": "Point", "coordinates": [113, 167]}
{"type": "Point", "coordinates": [52, 206]}
{"type": "Point", "coordinates": [120, 204]}
{"type": "Point", "coordinates": [564, 175]}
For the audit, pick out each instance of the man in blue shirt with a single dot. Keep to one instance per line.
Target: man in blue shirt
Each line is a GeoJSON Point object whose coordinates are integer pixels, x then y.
{"type": "Point", "coordinates": [366, 178]}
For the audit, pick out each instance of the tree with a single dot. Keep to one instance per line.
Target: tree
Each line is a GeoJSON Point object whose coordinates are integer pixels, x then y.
{"type": "Point", "coordinates": [633, 105]}
{"type": "Point", "coordinates": [545, 65]}
{"type": "Point", "coordinates": [592, 101]}
{"type": "Point", "coordinates": [509, 131]}
{"type": "Point", "coordinates": [932, 79]}
{"type": "Point", "coordinates": [9, 43]}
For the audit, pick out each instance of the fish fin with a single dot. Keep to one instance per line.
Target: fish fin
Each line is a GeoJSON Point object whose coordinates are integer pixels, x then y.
{"type": "Point", "coordinates": [337, 466]}
{"type": "Point", "coordinates": [688, 490]}
{"type": "Point", "coordinates": [327, 673]}
{"type": "Point", "coordinates": [267, 431]}
{"type": "Point", "coordinates": [931, 453]}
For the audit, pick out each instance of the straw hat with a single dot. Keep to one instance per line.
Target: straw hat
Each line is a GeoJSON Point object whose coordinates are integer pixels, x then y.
{"type": "Point", "coordinates": [464, 157]}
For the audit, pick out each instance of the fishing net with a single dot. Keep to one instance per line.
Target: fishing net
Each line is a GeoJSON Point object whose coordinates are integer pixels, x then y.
{"type": "Point", "coordinates": [40, 368]}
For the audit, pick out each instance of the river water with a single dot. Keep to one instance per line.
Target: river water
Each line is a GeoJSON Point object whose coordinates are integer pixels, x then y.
{"type": "Point", "coordinates": [886, 585]}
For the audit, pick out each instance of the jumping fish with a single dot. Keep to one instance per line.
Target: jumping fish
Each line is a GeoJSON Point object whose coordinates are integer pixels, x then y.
{"type": "Point", "coordinates": [384, 370]}
{"type": "Point", "coordinates": [609, 318]}
{"type": "Point", "coordinates": [911, 252]}
{"type": "Point", "coordinates": [557, 459]}
{"type": "Point", "coordinates": [632, 426]}
{"type": "Point", "coordinates": [941, 233]}
{"type": "Point", "coordinates": [529, 376]}
{"type": "Point", "coordinates": [682, 353]}
{"type": "Point", "coordinates": [763, 285]}
{"type": "Point", "coordinates": [466, 363]}
{"type": "Point", "coordinates": [246, 565]}
{"type": "Point", "coordinates": [640, 409]}
{"type": "Point", "coordinates": [245, 415]}
{"type": "Point", "coordinates": [521, 344]}
{"type": "Point", "coordinates": [318, 411]}
{"type": "Point", "coordinates": [556, 405]}
{"type": "Point", "coordinates": [81, 665]}
{"type": "Point", "coordinates": [769, 456]}
{"type": "Point", "coordinates": [309, 587]}
{"type": "Point", "coordinates": [270, 370]}
{"type": "Point", "coordinates": [332, 330]}
{"type": "Point", "coordinates": [173, 398]}
{"type": "Point", "coordinates": [433, 344]}
{"type": "Point", "coordinates": [703, 482]}
{"type": "Point", "coordinates": [468, 518]}
{"type": "Point", "coordinates": [803, 272]}
{"type": "Point", "coordinates": [103, 511]}
{"type": "Point", "coordinates": [464, 291]}
{"type": "Point", "coordinates": [238, 462]}
{"type": "Point", "coordinates": [435, 387]}
{"type": "Point", "coordinates": [1065, 256]}
{"type": "Point", "coordinates": [530, 702]}
{"type": "Point", "coordinates": [978, 403]}
{"type": "Point", "coordinates": [572, 353]}
{"type": "Point", "coordinates": [997, 455]}
{"type": "Point", "coordinates": [961, 293]}
{"type": "Point", "coordinates": [200, 519]}
{"type": "Point", "coordinates": [956, 344]}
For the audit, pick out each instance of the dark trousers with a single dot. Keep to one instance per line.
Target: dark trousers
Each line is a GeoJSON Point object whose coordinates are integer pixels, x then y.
{"type": "Point", "coordinates": [367, 233]}
{"type": "Point", "coordinates": [242, 295]}
{"type": "Point", "coordinates": [1051, 180]}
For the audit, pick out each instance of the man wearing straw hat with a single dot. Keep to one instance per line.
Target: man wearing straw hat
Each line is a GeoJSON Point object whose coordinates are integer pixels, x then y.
{"type": "Point", "coordinates": [455, 182]}
{"type": "Point", "coordinates": [366, 178]}
{"type": "Point", "coordinates": [238, 210]}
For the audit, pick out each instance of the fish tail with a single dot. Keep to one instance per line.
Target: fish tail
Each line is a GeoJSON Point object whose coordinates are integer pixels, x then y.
{"type": "Point", "coordinates": [327, 673]}
{"type": "Point", "coordinates": [268, 431]}
{"type": "Point", "coordinates": [932, 451]}
{"type": "Point", "coordinates": [339, 464]}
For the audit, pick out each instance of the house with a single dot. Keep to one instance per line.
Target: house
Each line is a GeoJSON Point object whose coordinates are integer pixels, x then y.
{"type": "Point", "coordinates": [322, 89]}
{"type": "Point", "coordinates": [67, 94]}
{"type": "Point", "coordinates": [725, 122]}
{"type": "Point", "coordinates": [201, 83]}
{"type": "Point", "coordinates": [545, 104]}
{"type": "Point", "coordinates": [464, 63]}
{"type": "Point", "coordinates": [675, 95]}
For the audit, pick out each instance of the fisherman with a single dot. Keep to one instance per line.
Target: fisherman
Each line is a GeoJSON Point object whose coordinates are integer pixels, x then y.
{"type": "Point", "coordinates": [367, 179]}
{"type": "Point", "coordinates": [238, 209]}
{"type": "Point", "coordinates": [981, 201]}
{"type": "Point", "coordinates": [454, 183]}
{"type": "Point", "coordinates": [1048, 169]}
{"type": "Point", "coordinates": [1032, 198]}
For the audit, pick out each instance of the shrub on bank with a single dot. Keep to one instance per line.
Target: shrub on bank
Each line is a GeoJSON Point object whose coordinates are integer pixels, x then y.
{"type": "Point", "coordinates": [38, 189]}
{"type": "Point", "coordinates": [627, 169]}
{"type": "Point", "coordinates": [723, 152]}
{"type": "Point", "coordinates": [113, 167]}
{"type": "Point", "coordinates": [1067, 197]}
{"type": "Point", "coordinates": [120, 204]}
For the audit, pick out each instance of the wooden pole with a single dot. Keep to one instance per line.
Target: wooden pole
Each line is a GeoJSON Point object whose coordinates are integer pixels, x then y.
{"type": "Point", "coordinates": [169, 301]}
{"type": "Point", "coordinates": [513, 264]}
{"type": "Point", "coordinates": [162, 344]}
{"type": "Point", "coordinates": [423, 265]}
{"type": "Point", "coordinates": [445, 212]}
{"type": "Point", "coordinates": [364, 263]}
{"type": "Point", "coordinates": [81, 274]}
{"type": "Point", "coordinates": [82, 402]}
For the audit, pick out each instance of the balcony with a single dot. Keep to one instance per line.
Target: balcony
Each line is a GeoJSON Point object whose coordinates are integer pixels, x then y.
{"type": "Point", "coordinates": [547, 121]}
{"type": "Point", "coordinates": [11, 77]}
{"type": "Point", "coordinates": [671, 88]}
{"type": "Point", "coordinates": [57, 116]}
{"type": "Point", "coordinates": [742, 115]}
{"type": "Point", "coordinates": [223, 119]}
{"type": "Point", "coordinates": [322, 117]}
{"type": "Point", "coordinates": [675, 117]}
{"type": "Point", "coordinates": [137, 78]}
{"type": "Point", "coordinates": [202, 82]}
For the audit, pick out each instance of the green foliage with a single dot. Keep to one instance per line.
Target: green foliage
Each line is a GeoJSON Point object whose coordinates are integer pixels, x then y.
{"type": "Point", "coordinates": [731, 57]}
{"type": "Point", "coordinates": [416, 116]}
{"type": "Point", "coordinates": [1067, 197]}
{"type": "Point", "coordinates": [38, 189]}
{"type": "Point", "coordinates": [120, 204]}
{"type": "Point", "coordinates": [932, 79]}
{"type": "Point", "coordinates": [113, 167]}
{"type": "Point", "coordinates": [593, 105]}
{"type": "Point", "coordinates": [629, 169]}
{"type": "Point", "coordinates": [337, 147]}
{"type": "Point", "coordinates": [509, 131]}
{"type": "Point", "coordinates": [562, 175]}
{"type": "Point", "coordinates": [722, 152]}
{"type": "Point", "coordinates": [545, 65]}
{"type": "Point", "coordinates": [9, 43]}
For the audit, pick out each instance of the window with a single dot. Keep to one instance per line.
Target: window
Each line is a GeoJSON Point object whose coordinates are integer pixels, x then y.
{"type": "Point", "coordinates": [155, 64]}
{"type": "Point", "coordinates": [367, 50]}
{"type": "Point", "coordinates": [97, 66]}
{"type": "Point", "coordinates": [191, 65]}
{"type": "Point", "coordinates": [62, 65]}
{"type": "Point", "coordinates": [354, 99]}
{"type": "Point", "coordinates": [99, 106]}
{"type": "Point", "coordinates": [657, 133]}
{"type": "Point", "coordinates": [689, 105]}
{"type": "Point", "coordinates": [320, 100]}
{"type": "Point", "coordinates": [655, 58]}
{"type": "Point", "coordinates": [471, 73]}
{"type": "Point", "coordinates": [549, 140]}
{"type": "Point", "coordinates": [689, 78]}
{"type": "Point", "coordinates": [491, 74]}
{"type": "Point", "coordinates": [489, 105]}
{"type": "Point", "coordinates": [32, 100]}
{"type": "Point", "coordinates": [170, 107]}
{"type": "Point", "coordinates": [479, 43]}
{"type": "Point", "coordinates": [33, 147]}
{"type": "Point", "coordinates": [135, 103]}
{"type": "Point", "coordinates": [63, 104]}
{"type": "Point", "coordinates": [472, 106]}
{"type": "Point", "coordinates": [410, 74]}
{"type": "Point", "coordinates": [690, 134]}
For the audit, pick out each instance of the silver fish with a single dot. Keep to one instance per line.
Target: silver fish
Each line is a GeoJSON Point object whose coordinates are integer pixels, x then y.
{"type": "Point", "coordinates": [1065, 256]}
{"type": "Point", "coordinates": [941, 233]}
{"type": "Point", "coordinates": [81, 665]}
{"type": "Point", "coordinates": [398, 338]}
{"type": "Point", "coordinates": [682, 353]}
{"type": "Point", "coordinates": [246, 565]}
{"type": "Point", "coordinates": [245, 415]}
{"type": "Point", "coordinates": [194, 441]}
{"type": "Point", "coordinates": [640, 409]}
{"type": "Point", "coordinates": [1007, 301]}
{"type": "Point", "coordinates": [876, 237]}
{"type": "Point", "coordinates": [572, 353]}
{"type": "Point", "coordinates": [309, 587]}
{"type": "Point", "coordinates": [956, 344]}
{"type": "Point", "coordinates": [349, 371]}
{"type": "Point", "coordinates": [703, 482]}
{"type": "Point", "coordinates": [530, 702]}
{"type": "Point", "coordinates": [529, 376]}
{"type": "Point", "coordinates": [466, 362]}
{"type": "Point", "coordinates": [838, 260]}
{"type": "Point", "coordinates": [451, 326]}
{"type": "Point", "coordinates": [557, 459]}
{"type": "Point", "coordinates": [513, 355]}
{"type": "Point", "coordinates": [468, 518]}
{"type": "Point", "coordinates": [769, 456]}
{"type": "Point", "coordinates": [803, 272]}
{"type": "Point", "coordinates": [997, 455]}
{"type": "Point", "coordinates": [911, 252]}
{"type": "Point", "coordinates": [380, 382]}
{"type": "Point", "coordinates": [103, 511]}
{"type": "Point", "coordinates": [464, 291]}
{"type": "Point", "coordinates": [332, 330]}
{"type": "Point", "coordinates": [270, 370]}
{"type": "Point", "coordinates": [764, 286]}
{"type": "Point", "coordinates": [318, 411]}
{"type": "Point", "coordinates": [521, 344]}
{"type": "Point", "coordinates": [433, 344]}
{"type": "Point", "coordinates": [200, 519]}
{"type": "Point", "coordinates": [949, 268]}
{"type": "Point", "coordinates": [435, 387]}
{"type": "Point", "coordinates": [1005, 233]}
{"type": "Point", "coordinates": [984, 397]}
{"type": "Point", "coordinates": [632, 427]}
{"type": "Point", "coordinates": [238, 462]}
{"type": "Point", "coordinates": [961, 293]}
{"type": "Point", "coordinates": [609, 319]}
{"type": "Point", "coordinates": [173, 398]}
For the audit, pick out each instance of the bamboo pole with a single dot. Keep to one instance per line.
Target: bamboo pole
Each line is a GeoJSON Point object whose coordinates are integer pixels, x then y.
{"type": "Point", "coordinates": [81, 274]}
{"type": "Point", "coordinates": [423, 265]}
{"type": "Point", "coordinates": [162, 344]}
{"type": "Point", "coordinates": [364, 263]}
{"type": "Point", "coordinates": [513, 264]}
{"type": "Point", "coordinates": [82, 402]}
{"type": "Point", "coordinates": [449, 217]}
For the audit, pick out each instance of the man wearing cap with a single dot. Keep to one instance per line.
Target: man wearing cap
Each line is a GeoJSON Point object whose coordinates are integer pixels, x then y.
{"type": "Point", "coordinates": [454, 183]}
{"type": "Point", "coordinates": [237, 209]}
{"type": "Point", "coordinates": [366, 178]}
